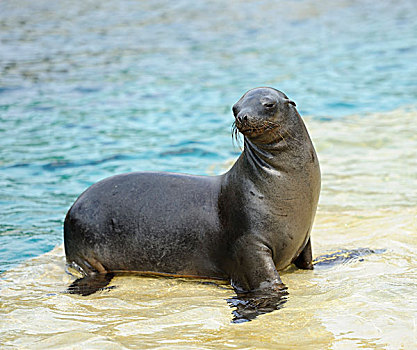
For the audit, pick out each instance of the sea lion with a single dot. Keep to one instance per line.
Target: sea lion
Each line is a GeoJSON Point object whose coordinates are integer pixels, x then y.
{"type": "Point", "coordinates": [243, 226]}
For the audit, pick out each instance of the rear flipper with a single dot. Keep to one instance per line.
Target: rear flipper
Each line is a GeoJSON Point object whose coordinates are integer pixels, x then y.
{"type": "Point", "coordinates": [344, 256]}
{"type": "Point", "coordinates": [91, 283]}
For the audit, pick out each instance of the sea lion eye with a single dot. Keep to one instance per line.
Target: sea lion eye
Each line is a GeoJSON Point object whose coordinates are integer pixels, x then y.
{"type": "Point", "coordinates": [269, 104]}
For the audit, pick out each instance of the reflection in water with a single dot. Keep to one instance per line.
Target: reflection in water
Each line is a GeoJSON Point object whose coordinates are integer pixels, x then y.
{"type": "Point", "coordinates": [247, 306]}
{"type": "Point", "coordinates": [344, 256]}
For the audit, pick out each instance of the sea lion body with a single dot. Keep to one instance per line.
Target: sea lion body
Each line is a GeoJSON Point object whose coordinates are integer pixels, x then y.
{"type": "Point", "coordinates": [150, 222]}
{"type": "Point", "coordinates": [243, 226]}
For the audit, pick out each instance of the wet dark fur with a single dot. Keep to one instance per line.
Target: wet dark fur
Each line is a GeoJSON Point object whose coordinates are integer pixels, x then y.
{"type": "Point", "coordinates": [243, 226]}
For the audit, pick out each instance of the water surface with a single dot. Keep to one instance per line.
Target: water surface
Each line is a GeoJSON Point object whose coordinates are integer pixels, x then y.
{"type": "Point", "coordinates": [95, 89]}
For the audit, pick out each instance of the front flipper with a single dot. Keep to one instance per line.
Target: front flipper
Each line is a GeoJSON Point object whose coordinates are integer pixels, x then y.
{"type": "Point", "coordinates": [250, 305]}
{"type": "Point", "coordinates": [90, 284]}
{"type": "Point", "coordinates": [256, 280]}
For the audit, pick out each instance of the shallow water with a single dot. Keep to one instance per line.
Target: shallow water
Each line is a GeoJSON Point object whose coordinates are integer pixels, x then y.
{"type": "Point", "coordinates": [96, 89]}
{"type": "Point", "coordinates": [361, 304]}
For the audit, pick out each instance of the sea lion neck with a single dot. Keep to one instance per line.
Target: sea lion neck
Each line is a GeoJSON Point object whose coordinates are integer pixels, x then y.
{"type": "Point", "coordinates": [263, 156]}
{"type": "Point", "coordinates": [291, 142]}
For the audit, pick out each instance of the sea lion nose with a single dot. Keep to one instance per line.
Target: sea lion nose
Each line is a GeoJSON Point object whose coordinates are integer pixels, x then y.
{"type": "Point", "coordinates": [242, 118]}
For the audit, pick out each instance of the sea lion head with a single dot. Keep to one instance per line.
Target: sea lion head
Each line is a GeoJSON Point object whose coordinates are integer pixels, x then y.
{"type": "Point", "coordinates": [262, 114]}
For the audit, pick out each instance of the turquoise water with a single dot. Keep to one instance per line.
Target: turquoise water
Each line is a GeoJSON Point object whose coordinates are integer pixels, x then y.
{"type": "Point", "coordinates": [89, 89]}
{"type": "Point", "coordinates": [92, 89]}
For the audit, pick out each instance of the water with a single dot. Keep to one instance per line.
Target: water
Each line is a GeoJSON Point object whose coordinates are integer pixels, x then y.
{"type": "Point", "coordinates": [92, 89]}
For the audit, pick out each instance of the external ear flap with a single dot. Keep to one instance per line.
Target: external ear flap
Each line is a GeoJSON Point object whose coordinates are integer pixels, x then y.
{"type": "Point", "coordinates": [290, 102]}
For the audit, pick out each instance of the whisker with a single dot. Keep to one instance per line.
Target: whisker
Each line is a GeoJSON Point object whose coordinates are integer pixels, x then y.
{"type": "Point", "coordinates": [283, 138]}
{"type": "Point", "coordinates": [290, 135]}
{"type": "Point", "coordinates": [266, 125]}
{"type": "Point", "coordinates": [235, 135]}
